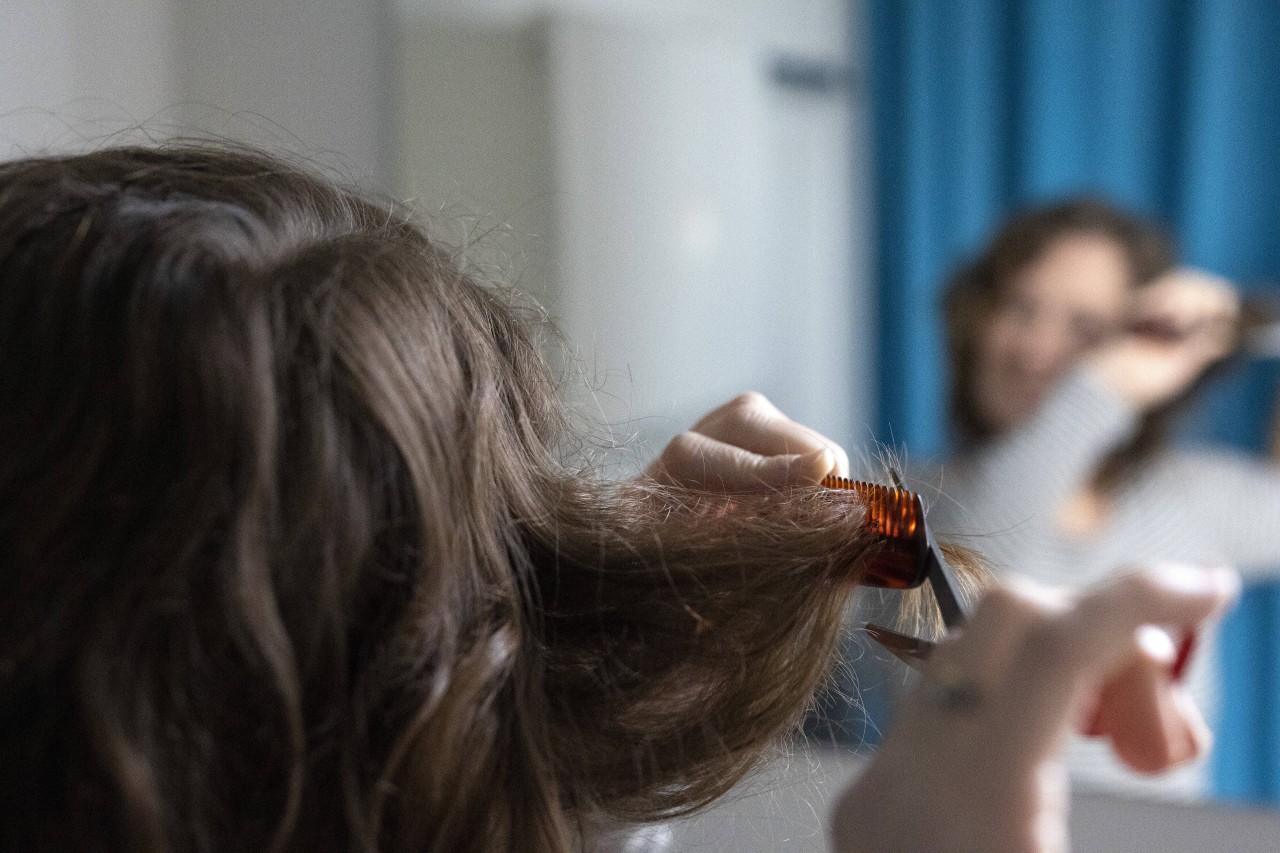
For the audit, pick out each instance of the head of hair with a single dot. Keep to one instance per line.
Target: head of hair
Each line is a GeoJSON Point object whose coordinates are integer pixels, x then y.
{"type": "Point", "coordinates": [292, 556]}
{"type": "Point", "coordinates": [978, 289]}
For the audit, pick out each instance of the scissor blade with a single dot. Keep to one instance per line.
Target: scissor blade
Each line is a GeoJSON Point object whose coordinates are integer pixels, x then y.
{"type": "Point", "coordinates": [910, 650]}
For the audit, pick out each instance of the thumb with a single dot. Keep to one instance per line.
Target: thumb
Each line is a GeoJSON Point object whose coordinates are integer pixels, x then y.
{"type": "Point", "coordinates": [796, 469]}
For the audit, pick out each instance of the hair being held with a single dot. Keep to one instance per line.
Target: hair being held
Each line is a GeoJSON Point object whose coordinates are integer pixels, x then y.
{"type": "Point", "coordinates": [293, 558]}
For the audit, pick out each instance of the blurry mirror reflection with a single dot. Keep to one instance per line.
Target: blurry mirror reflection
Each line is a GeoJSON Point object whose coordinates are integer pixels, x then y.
{"type": "Point", "coordinates": [1075, 217]}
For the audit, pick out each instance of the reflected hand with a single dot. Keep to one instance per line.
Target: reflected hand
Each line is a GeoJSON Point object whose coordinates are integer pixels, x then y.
{"type": "Point", "coordinates": [987, 774]}
{"type": "Point", "coordinates": [1183, 323]}
{"type": "Point", "coordinates": [746, 445]}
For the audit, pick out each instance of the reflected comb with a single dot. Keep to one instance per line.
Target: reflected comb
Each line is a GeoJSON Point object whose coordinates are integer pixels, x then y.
{"type": "Point", "coordinates": [906, 555]}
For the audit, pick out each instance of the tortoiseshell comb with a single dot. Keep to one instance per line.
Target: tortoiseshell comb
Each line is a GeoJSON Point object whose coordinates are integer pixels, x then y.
{"type": "Point", "coordinates": [906, 554]}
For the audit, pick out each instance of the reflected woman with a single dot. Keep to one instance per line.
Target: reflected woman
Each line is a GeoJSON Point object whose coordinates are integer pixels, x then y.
{"type": "Point", "coordinates": [1073, 340]}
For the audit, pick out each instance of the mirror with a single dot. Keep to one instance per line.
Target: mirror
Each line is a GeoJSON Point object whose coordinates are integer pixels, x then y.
{"type": "Point", "coordinates": [688, 189]}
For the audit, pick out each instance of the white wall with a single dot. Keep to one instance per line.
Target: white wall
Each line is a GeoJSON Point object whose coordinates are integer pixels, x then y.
{"type": "Point", "coordinates": [791, 24]}
{"type": "Point", "coordinates": [474, 141]}
{"type": "Point", "coordinates": [309, 76]}
{"type": "Point", "coordinates": [704, 234]}
{"type": "Point", "coordinates": [77, 69]}
{"type": "Point", "coordinates": [689, 222]}
{"type": "Point", "coordinates": [682, 265]}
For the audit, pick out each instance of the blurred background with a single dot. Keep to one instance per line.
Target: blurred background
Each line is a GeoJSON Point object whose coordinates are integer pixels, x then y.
{"type": "Point", "coordinates": [674, 181]}
{"type": "Point", "coordinates": [715, 195]}
{"type": "Point", "coordinates": [1167, 108]}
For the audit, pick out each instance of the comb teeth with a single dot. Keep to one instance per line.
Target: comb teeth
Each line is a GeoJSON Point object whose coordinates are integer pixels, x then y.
{"type": "Point", "coordinates": [892, 513]}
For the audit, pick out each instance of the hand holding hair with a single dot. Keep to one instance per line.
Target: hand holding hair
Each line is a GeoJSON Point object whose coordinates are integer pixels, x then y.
{"type": "Point", "coordinates": [294, 560]}
{"type": "Point", "coordinates": [1182, 324]}
{"type": "Point", "coordinates": [745, 445]}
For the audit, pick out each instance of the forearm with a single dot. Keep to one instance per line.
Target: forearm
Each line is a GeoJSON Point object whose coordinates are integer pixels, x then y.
{"type": "Point", "coordinates": [1037, 466]}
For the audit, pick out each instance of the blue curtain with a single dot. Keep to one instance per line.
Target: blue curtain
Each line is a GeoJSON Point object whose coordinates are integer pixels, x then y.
{"type": "Point", "coordinates": [1170, 108]}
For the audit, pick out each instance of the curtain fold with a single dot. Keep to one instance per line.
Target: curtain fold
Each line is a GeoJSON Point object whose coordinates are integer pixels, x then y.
{"type": "Point", "coordinates": [1169, 108]}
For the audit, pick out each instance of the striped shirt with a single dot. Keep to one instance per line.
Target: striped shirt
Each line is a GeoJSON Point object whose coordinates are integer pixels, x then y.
{"type": "Point", "coordinates": [1206, 507]}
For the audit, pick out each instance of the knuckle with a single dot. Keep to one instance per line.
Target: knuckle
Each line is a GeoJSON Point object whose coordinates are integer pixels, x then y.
{"type": "Point", "coordinates": [749, 401]}
{"type": "Point", "coordinates": [680, 455]}
{"type": "Point", "coordinates": [1141, 582]}
{"type": "Point", "coordinates": [748, 406]}
{"type": "Point", "coordinates": [681, 446]}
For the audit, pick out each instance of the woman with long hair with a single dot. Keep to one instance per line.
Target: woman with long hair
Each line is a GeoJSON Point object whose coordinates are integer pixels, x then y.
{"type": "Point", "coordinates": [1075, 341]}
{"type": "Point", "coordinates": [295, 556]}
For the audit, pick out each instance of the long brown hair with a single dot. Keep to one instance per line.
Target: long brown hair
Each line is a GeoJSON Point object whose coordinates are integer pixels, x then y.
{"type": "Point", "coordinates": [977, 290]}
{"type": "Point", "coordinates": [293, 559]}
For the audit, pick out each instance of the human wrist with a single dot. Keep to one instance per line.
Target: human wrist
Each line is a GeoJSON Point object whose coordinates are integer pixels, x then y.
{"type": "Point", "coordinates": [1113, 368]}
